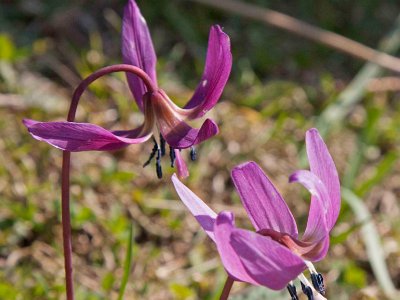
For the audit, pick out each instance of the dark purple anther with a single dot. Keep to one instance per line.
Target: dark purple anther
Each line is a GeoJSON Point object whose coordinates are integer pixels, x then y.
{"type": "Point", "coordinates": [172, 156]}
{"type": "Point", "coordinates": [318, 282]}
{"type": "Point", "coordinates": [292, 291]}
{"type": "Point", "coordinates": [162, 145]}
{"type": "Point", "coordinates": [193, 153]}
{"type": "Point", "coordinates": [307, 291]}
{"type": "Point", "coordinates": [158, 164]}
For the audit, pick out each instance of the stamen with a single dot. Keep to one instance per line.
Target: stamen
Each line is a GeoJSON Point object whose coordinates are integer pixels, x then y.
{"type": "Point", "coordinates": [307, 291]}
{"type": "Point", "coordinates": [316, 278]}
{"type": "Point", "coordinates": [310, 266]}
{"type": "Point", "coordinates": [153, 152]}
{"type": "Point", "coordinates": [292, 291]}
{"type": "Point", "coordinates": [172, 156]}
{"type": "Point", "coordinates": [318, 282]}
{"type": "Point", "coordinates": [193, 153]}
{"type": "Point", "coordinates": [158, 164]}
{"type": "Point", "coordinates": [162, 145]}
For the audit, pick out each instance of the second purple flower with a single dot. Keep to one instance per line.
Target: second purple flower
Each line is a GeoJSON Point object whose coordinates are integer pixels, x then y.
{"type": "Point", "coordinates": [275, 255]}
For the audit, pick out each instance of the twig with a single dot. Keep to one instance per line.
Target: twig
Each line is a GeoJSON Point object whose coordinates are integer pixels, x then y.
{"type": "Point", "coordinates": [308, 31]}
{"type": "Point", "coordinates": [354, 92]}
{"type": "Point", "coordinates": [384, 84]}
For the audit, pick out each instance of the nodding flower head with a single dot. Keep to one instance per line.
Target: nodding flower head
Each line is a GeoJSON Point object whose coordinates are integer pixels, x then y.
{"type": "Point", "coordinates": [164, 121]}
{"type": "Point", "coordinates": [274, 254]}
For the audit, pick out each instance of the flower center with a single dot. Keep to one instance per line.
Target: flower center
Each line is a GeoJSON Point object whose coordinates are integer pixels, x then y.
{"type": "Point", "coordinates": [304, 249]}
{"type": "Point", "coordinates": [165, 119]}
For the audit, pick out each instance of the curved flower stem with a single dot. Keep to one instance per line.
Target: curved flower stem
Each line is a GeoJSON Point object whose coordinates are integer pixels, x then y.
{"type": "Point", "coordinates": [65, 177]}
{"type": "Point", "coordinates": [151, 86]}
{"type": "Point", "coordinates": [227, 288]}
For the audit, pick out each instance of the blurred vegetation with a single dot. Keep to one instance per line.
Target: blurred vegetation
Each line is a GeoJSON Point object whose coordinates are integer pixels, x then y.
{"type": "Point", "coordinates": [279, 85]}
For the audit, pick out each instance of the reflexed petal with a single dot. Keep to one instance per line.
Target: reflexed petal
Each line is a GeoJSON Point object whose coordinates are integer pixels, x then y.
{"type": "Point", "coordinates": [137, 49]}
{"type": "Point", "coordinates": [322, 165]}
{"type": "Point", "coordinates": [320, 251]}
{"type": "Point", "coordinates": [181, 167]}
{"type": "Point", "coordinates": [72, 136]}
{"type": "Point", "coordinates": [264, 205]}
{"type": "Point", "coordinates": [182, 136]}
{"type": "Point", "coordinates": [216, 73]}
{"type": "Point", "coordinates": [203, 214]}
{"type": "Point", "coordinates": [254, 258]}
{"type": "Point", "coordinates": [172, 126]}
{"type": "Point", "coordinates": [317, 229]}
{"type": "Point", "coordinates": [223, 227]}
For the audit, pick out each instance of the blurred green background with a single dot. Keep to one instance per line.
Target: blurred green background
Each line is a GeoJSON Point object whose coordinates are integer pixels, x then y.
{"type": "Point", "coordinates": [279, 87]}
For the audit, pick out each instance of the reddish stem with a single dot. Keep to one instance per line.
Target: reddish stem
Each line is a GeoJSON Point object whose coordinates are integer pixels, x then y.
{"type": "Point", "coordinates": [66, 224]}
{"type": "Point", "coordinates": [151, 87]}
{"type": "Point", "coordinates": [65, 203]}
{"type": "Point", "coordinates": [227, 288]}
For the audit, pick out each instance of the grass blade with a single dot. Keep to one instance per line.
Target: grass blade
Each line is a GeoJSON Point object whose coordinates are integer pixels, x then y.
{"type": "Point", "coordinates": [127, 264]}
{"type": "Point", "coordinates": [372, 243]}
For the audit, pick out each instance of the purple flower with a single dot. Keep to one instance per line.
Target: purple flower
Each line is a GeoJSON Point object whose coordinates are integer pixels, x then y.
{"type": "Point", "coordinates": [163, 120]}
{"type": "Point", "coordinates": [274, 254]}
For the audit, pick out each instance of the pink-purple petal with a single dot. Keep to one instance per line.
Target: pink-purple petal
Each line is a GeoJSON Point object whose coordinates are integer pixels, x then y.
{"type": "Point", "coordinates": [181, 167]}
{"type": "Point", "coordinates": [253, 258]}
{"type": "Point", "coordinates": [73, 136]}
{"type": "Point", "coordinates": [183, 136]}
{"type": "Point", "coordinates": [203, 214]}
{"type": "Point", "coordinates": [323, 166]}
{"type": "Point", "coordinates": [263, 203]}
{"type": "Point", "coordinates": [223, 227]}
{"type": "Point", "coordinates": [323, 248]}
{"type": "Point", "coordinates": [137, 49]}
{"type": "Point", "coordinates": [216, 73]}
{"type": "Point", "coordinates": [171, 123]}
{"type": "Point", "coordinates": [317, 228]}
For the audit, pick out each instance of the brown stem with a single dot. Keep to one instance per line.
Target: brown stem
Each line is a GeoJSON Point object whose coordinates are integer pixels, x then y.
{"type": "Point", "coordinates": [308, 31]}
{"type": "Point", "coordinates": [65, 177]}
{"type": "Point", "coordinates": [227, 288]}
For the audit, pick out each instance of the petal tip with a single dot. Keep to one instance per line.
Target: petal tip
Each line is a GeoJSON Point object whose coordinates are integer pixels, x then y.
{"type": "Point", "coordinates": [293, 177]}
{"type": "Point", "coordinates": [312, 133]}
{"type": "Point", "coordinates": [29, 122]}
{"type": "Point", "coordinates": [225, 217]}
{"type": "Point", "coordinates": [243, 167]}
